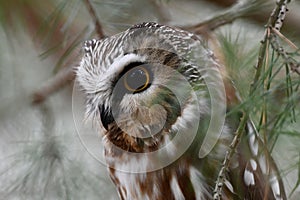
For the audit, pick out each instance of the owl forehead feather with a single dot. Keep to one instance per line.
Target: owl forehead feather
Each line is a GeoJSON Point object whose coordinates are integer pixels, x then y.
{"type": "Point", "coordinates": [103, 52]}
{"type": "Point", "coordinates": [103, 56]}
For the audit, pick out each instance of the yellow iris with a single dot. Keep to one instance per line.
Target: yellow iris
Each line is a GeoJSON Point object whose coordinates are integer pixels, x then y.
{"type": "Point", "coordinates": [137, 79]}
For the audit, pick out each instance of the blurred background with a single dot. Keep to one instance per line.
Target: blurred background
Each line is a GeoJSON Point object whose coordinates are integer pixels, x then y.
{"type": "Point", "coordinates": [42, 155]}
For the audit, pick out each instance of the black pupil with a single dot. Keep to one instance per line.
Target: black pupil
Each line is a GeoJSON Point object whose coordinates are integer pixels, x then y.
{"type": "Point", "coordinates": [136, 79]}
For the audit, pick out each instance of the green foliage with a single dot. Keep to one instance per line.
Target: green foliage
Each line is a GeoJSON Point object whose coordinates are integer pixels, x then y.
{"type": "Point", "coordinates": [274, 102]}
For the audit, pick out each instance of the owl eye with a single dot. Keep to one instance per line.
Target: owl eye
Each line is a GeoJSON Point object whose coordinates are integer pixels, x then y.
{"type": "Point", "coordinates": [137, 79]}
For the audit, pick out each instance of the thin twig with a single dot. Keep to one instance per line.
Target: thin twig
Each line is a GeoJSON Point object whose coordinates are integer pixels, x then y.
{"type": "Point", "coordinates": [238, 10]}
{"type": "Point", "coordinates": [264, 115]}
{"type": "Point", "coordinates": [62, 78]}
{"type": "Point", "coordinates": [292, 63]}
{"type": "Point", "coordinates": [292, 24]}
{"type": "Point", "coordinates": [289, 42]}
{"type": "Point", "coordinates": [225, 165]}
{"type": "Point", "coordinates": [93, 14]}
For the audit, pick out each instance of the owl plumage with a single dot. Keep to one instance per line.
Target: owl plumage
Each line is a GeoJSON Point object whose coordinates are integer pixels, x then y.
{"type": "Point", "coordinates": [158, 93]}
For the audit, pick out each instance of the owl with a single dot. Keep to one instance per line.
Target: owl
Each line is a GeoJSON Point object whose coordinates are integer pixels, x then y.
{"type": "Point", "coordinates": [161, 101]}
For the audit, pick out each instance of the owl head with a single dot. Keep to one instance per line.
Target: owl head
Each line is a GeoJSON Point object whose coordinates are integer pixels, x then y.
{"type": "Point", "coordinates": [148, 84]}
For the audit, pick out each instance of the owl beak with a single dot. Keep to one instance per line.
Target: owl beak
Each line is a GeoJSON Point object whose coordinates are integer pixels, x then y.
{"type": "Point", "coordinates": [106, 116]}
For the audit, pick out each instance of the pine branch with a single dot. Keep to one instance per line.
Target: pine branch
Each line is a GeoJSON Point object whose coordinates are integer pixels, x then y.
{"type": "Point", "coordinates": [229, 154]}
{"type": "Point", "coordinates": [292, 24]}
{"type": "Point", "coordinates": [65, 76]}
{"type": "Point", "coordinates": [292, 63]}
{"type": "Point", "coordinates": [275, 21]}
{"type": "Point", "coordinates": [62, 78]}
{"type": "Point", "coordinates": [238, 10]}
{"type": "Point", "coordinates": [93, 14]}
